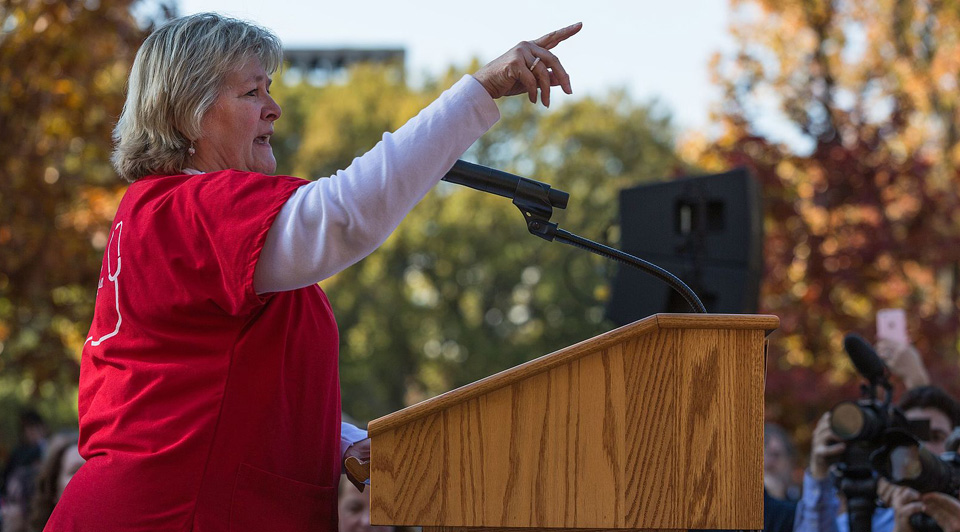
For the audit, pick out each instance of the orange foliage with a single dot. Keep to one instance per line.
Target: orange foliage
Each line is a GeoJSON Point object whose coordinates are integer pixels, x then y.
{"type": "Point", "coordinates": [63, 66]}
{"type": "Point", "coordinates": [862, 209]}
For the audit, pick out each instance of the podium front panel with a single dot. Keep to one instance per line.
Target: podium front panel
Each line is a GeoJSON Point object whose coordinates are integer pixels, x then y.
{"type": "Point", "coordinates": [660, 431]}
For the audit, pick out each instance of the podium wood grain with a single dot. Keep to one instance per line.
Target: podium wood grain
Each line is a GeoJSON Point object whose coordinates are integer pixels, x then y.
{"type": "Point", "coordinates": [526, 529]}
{"type": "Point", "coordinates": [656, 425]}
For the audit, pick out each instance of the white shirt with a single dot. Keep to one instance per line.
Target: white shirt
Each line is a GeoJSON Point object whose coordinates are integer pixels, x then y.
{"type": "Point", "coordinates": [334, 222]}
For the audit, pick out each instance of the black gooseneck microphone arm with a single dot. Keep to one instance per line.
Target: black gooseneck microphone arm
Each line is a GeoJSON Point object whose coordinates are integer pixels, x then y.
{"type": "Point", "coordinates": [536, 201]}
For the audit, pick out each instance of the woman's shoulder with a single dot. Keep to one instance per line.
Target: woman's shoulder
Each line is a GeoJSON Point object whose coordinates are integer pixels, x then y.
{"type": "Point", "coordinates": [214, 186]}
{"type": "Point", "coordinates": [231, 177]}
{"type": "Point", "coordinates": [221, 193]}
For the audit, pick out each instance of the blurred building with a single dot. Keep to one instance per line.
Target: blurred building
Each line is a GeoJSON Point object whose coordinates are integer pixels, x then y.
{"type": "Point", "coordinates": [327, 65]}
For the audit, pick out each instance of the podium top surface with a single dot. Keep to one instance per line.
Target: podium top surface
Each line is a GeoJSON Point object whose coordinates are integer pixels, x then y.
{"type": "Point", "coordinates": [507, 377]}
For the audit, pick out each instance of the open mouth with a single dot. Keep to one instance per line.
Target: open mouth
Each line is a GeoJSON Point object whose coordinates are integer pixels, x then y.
{"type": "Point", "coordinates": [262, 139]}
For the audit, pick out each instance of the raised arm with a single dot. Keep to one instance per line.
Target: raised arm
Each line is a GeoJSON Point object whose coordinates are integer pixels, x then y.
{"type": "Point", "coordinates": [332, 223]}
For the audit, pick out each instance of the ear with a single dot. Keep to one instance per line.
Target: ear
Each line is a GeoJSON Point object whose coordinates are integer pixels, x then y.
{"type": "Point", "coordinates": [113, 253]}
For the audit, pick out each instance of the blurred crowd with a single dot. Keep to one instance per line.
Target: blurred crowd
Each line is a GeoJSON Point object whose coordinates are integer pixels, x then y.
{"type": "Point", "coordinates": [809, 499]}
{"type": "Point", "coordinates": [35, 475]}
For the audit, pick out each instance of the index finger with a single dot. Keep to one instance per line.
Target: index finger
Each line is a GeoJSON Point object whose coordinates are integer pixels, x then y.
{"type": "Point", "coordinates": [940, 501]}
{"type": "Point", "coordinates": [823, 423]}
{"type": "Point", "coordinates": [883, 487]}
{"type": "Point", "coordinates": [554, 38]}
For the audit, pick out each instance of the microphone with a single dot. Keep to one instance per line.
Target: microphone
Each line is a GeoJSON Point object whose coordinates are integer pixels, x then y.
{"type": "Point", "coordinates": [536, 202]}
{"type": "Point", "coordinates": [864, 358]}
{"type": "Point", "coordinates": [502, 183]}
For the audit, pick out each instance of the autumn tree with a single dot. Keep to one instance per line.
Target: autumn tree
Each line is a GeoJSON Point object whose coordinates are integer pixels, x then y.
{"type": "Point", "coordinates": [847, 112]}
{"type": "Point", "coordinates": [63, 66]}
{"type": "Point", "coordinates": [461, 290]}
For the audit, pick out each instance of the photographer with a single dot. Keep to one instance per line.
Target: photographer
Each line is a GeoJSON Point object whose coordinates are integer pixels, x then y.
{"type": "Point", "coordinates": [819, 506]}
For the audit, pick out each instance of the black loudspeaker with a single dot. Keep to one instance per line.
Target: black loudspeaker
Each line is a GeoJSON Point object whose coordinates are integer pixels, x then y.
{"type": "Point", "coordinates": [707, 230]}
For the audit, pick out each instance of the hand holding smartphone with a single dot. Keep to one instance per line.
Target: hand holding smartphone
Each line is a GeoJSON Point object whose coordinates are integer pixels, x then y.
{"type": "Point", "coordinates": [894, 348]}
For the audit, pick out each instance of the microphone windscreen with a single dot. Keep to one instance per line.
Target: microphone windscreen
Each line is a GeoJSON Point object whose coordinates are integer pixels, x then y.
{"type": "Point", "coordinates": [864, 358]}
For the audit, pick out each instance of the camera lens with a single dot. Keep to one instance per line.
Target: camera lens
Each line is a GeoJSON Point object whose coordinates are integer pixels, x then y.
{"type": "Point", "coordinates": [905, 463]}
{"type": "Point", "coordinates": [847, 420]}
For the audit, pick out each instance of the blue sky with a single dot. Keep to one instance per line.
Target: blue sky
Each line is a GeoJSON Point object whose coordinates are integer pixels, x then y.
{"type": "Point", "coordinates": [655, 49]}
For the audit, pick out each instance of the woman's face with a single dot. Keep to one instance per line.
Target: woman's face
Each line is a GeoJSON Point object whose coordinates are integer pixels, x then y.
{"type": "Point", "coordinates": [236, 130]}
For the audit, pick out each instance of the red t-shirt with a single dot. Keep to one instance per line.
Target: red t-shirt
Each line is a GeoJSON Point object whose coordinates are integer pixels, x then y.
{"type": "Point", "coordinates": [204, 406]}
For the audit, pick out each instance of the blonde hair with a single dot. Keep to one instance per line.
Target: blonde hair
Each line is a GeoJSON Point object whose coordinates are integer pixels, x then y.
{"type": "Point", "coordinates": [175, 78]}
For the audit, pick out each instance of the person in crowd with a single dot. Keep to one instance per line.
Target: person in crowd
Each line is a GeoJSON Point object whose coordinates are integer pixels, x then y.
{"type": "Point", "coordinates": [16, 480]}
{"type": "Point", "coordinates": [60, 464]}
{"type": "Point", "coordinates": [779, 462]}
{"type": "Point", "coordinates": [779, 457]}
{"type": "Point", "coordinates": [29, 448]}
{"type": "Point", "coordinates": [818, 509]}
{"type": "Point", "coordinates": [943, 508]}
{"type": "Point", "coordinates": [209, 393]}
{"type": "Point", "coordinates": [15, 507]}
{"type": "Point", "coordinates": [353, 507]}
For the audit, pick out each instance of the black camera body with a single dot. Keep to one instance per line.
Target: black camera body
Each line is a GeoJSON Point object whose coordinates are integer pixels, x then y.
{"type": "Point", "coordinates": [882, 442]}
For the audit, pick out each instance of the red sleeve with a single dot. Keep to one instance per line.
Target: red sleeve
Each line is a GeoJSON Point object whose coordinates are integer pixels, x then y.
{"type": "Point", "coordinates": [229, 214]}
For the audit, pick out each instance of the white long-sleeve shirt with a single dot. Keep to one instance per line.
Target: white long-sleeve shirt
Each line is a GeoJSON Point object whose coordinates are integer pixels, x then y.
{"type": "Point", "coordinates": [332, 223]}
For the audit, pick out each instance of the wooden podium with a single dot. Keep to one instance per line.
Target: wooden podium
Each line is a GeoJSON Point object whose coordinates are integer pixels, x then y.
{"type": "Point", "coordinates": [655, 425]}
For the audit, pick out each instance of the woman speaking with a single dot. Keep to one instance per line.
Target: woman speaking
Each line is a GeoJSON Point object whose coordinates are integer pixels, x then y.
{"type": "Point", "coordinates": [209, 395]}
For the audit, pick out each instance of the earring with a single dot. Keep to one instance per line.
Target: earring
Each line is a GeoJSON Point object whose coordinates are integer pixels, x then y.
{"type": "Point", "coordinates": [191, 151]}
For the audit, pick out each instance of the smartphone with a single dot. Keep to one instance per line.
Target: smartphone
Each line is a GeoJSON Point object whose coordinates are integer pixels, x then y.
{"type": "Point", "coordinates": [892, 325]}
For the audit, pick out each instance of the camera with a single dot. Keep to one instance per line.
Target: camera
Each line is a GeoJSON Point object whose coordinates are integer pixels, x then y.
{"type": "Point", "coordinates": [903, 460]}
{"type": "Point", "coordinates": [881, 441]}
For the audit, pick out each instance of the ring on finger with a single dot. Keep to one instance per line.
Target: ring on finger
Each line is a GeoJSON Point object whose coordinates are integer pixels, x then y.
{"type": "Point", "coordinates": [536, 61]}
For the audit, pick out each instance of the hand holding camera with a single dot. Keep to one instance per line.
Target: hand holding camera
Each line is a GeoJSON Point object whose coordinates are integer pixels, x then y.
{"type": "Point", "coordinates": [826, 448]}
